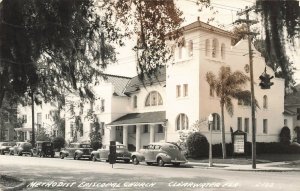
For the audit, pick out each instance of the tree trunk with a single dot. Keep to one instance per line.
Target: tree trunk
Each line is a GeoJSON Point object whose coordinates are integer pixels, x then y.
{"type": "Point", "coordinates": [223, 132]}
{"type": "Point", "coordinates": [2, 94]}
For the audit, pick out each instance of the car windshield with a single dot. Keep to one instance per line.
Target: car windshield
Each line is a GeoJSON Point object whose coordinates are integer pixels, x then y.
{"type": "Point", "coordinates": [85, 146]}
{"type": "Point", "coordinates": [170, 147]}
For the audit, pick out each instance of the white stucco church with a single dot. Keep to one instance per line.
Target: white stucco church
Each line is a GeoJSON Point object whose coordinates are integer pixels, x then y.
{"type": "Point", "coordinates": [136, 113]}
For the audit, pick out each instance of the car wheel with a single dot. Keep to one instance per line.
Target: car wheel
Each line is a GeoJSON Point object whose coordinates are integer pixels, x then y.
{"type": "Point", "coordinates": [176, 164]}
{"type": "Point", "coordinates": [11, 153]}
{"type": "Point", "coordinates": [52, 155]}
{"type": "Point", "coordinates": [76, 157]}
{"type": "Point", "coordinates": [40, 154]}
{"type": "Point", "coordinates": [149, 163]}
{"type": "Point", "coordinates": [2, 152]}
{"type": "Point", "coordinates": [62, 156]}
{"type": "Point", "coordinates": [94, 158]}
{"type": "Point", "coordinates": [135, 161]}
{"type": "Point", "coordinates": [19, 153]}
{"type": "Point", "coordinates": [127, 161]}
{"type": "Point", "coordinates": [31, 154]}
{"type": "Point", "coordinates": [160, 162]}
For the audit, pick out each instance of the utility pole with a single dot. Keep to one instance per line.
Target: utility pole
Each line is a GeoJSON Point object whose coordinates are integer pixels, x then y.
{"type": "Point", "coordinates": [253, 104]}
{"type": "Point", "coordinates": [32, 118]}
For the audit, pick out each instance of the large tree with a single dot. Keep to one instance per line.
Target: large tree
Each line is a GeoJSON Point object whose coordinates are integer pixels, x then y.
{"type": "Point", "coordinates": [49, 46]}
{"type": "Point", "coordinates": [228, 86]}
{"type": "Point", "coordinates": [53, 46]}
{"type": "Point", "coordinates": [281, 23]}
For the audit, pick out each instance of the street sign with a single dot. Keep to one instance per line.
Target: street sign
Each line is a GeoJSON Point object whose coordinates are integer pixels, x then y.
{"type": "Point", "coordinates": [239, 139]}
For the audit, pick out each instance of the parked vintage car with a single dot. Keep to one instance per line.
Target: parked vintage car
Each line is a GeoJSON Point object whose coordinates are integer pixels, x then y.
{"type": "Point", "coordinates": [77, 151]}
{"type": "Point", "coordinates": [122, 153]}
{"type": "Point", "coordinates": [4, 147]}
{"type": "Point", "coordinates": [43, 149]}
{"type": "Point", "coordinates": [160, 153]}
{"type": "Point", "coordinates": [21, 148]}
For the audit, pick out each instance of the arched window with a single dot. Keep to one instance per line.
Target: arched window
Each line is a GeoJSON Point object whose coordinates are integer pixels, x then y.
{"type": "Point", "coordinates": [215, 48]}
{"type": "Point", "coordinates": [216, 122]}
{"type": "Point", "coordinates": [182, 122]}
{"type": "Point", "coordinates": [181, 45]}
{"type": "Point", "coordinates": [153, 99]}
{"type": "Point", "coordinates": [207, 47]}
{"type": "Point", "coordinates": [265, 102]}
{"type": "Point", "coordinates": [190, 48]}
{"type": "Point", "coordinates": [223, 51]}
{"type": "Point", "coordinates": [135, 101]}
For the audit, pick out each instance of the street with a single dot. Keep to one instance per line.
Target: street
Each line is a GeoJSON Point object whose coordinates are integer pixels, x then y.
{"type": "Point", "coordinates": [69, 174]}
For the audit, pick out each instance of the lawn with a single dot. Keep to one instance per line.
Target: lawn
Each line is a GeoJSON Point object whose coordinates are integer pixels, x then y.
{"type": "Point", "coordinates": [293, 164]}
{"type": "Point", "coordinates": [7, 181]}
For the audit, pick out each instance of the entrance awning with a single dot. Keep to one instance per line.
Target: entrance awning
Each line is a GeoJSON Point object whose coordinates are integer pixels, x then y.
{"type": "Point", "coordinates": [289, 112]}
{"type": "Point", "coordinates": [158, 117]}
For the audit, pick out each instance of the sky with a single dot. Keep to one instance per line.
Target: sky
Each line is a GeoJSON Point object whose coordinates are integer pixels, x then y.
{"type": "Point", "coordinates": [224, 17]}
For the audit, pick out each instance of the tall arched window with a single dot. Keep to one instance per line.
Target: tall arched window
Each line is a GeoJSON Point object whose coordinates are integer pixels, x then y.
{"type": "Point", "coordinates": [190, 48]}
{"type": "Point", "coordinates": [207, 47]}
{"type": "Point", "coordinates": [135, 101]}
{"type": "Point", "coordinates": [265, 102]}
{"type": "Point", "coordinates": [153, 99]}
{"type": "Point", "coordinates": [215, 48]}
{"type": "Point", "coordinates": [216, 122]}
{"type": "Point", "coordinates": [182, 122]}
{"type": "Point", "coordinates": [223, 51]}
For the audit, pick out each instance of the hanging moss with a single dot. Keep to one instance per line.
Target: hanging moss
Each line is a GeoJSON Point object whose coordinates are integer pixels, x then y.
{"type": "Point", "coordinates": [281, 23]}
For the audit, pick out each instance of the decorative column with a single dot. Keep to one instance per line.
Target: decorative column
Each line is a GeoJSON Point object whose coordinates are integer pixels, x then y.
{"type": "Point", "coordinates": [138, 137]}
{"type": "Point", "coordinates": [28, 135]}
{"type": "Point", "coordinates": [125, 136]}
{"type": "Point", "coordinates": [152, 133]}
{"type": "Point", "coordinates": [165, 130]}
{"type": "Point", "coordinates": [112, 133]}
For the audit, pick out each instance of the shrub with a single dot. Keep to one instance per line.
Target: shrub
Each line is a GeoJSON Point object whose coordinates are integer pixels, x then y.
{"type": "Point", "coordinates": [217, 150]}
{"type": "Point", "coordinates": [96, 145]}
{"type": "Point", "coordinates": [285, 135]}
{"type": "Point", "coordinates": [197, 145]}
{"type": "Point", "coordinates": [96, 137]}
{"type": "Point", "coordinates": [273, 148]}
{"type": "Point", "coordinates": [58, 142]}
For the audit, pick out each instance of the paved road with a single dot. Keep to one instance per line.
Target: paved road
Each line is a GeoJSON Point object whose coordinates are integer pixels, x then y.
{"type": "Point", "coordinates": [68, 174]}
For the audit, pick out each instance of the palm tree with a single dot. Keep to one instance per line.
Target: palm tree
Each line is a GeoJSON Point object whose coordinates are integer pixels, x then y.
{"type": "Point", "coordinates": [228, 86]}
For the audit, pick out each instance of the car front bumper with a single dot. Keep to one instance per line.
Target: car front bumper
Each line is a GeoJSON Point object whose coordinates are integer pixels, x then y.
{"type": "Point", "coordinates": [123, 158]}
{"type": "Point", "coordinates": [85, 156]}
{"type": "Point", "coordinates": [179, 161]}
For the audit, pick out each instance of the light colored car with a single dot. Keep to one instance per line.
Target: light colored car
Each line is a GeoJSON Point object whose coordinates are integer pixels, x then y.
{"type": "Point", "coordinates": [122, 153]}
{"type": "Point", "coordinates": [159, 153]}
{"type": "Point", "coordinates": [77, 151]}
{"type": "Point", "coordinates": [4, 147]}
{"type": "Point", "coordinates": [21, 148]}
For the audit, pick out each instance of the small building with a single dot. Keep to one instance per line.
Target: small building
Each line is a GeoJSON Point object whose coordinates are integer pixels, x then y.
{"type": "Point", "coordinates": [43, 121]}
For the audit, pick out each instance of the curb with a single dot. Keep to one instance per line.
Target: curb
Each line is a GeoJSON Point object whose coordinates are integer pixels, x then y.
{"type": "Point", "coordinates": [265, 170]}
{"type": "Point", "coordinates": [228, 168]}
{"type": "Point", "coordinates": [17, 187]}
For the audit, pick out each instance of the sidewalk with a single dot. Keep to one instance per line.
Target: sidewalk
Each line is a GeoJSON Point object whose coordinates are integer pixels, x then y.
{"type": "Point", "coordinates": [271, 167]}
